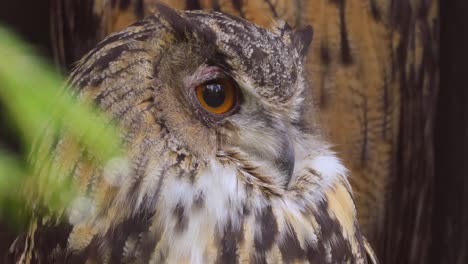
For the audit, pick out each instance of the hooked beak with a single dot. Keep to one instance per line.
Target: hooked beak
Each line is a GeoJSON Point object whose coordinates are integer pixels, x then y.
{"type": "Point", "coordinates": [286, 159]}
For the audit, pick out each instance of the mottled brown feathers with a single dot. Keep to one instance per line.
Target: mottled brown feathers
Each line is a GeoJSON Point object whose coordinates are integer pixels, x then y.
{"type": "Point", "coordinates": [248, 186]}
{"type": "Point", "coordinates": [350, 66]}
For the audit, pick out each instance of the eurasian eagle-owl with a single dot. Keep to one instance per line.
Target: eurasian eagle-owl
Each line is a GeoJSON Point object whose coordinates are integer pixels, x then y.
{"type": "Point", "coordinates": [221, 165]}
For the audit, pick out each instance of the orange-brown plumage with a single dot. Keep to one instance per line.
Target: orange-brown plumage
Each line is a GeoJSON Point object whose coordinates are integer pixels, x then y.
{"type": "Point", "coordinates": [254, 183]}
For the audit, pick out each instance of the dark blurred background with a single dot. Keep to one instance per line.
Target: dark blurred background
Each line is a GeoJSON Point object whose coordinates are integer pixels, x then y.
{"type": "Point", "coordinates": [450, 208]}
{"type": "Point", "coordinates": [449, 243]}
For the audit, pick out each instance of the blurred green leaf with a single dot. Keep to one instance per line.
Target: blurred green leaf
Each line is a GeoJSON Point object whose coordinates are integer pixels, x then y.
{"type": "Point", "coordinates": [31, 92]}
{"type": "Point", "coordinates": [12, 175]}
{"type": "Point", "coordinates": [30, 89]}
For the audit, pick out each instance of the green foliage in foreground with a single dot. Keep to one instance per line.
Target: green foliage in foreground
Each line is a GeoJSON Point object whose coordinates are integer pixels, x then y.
{"type": "Point", "coordinates": [30, 91]}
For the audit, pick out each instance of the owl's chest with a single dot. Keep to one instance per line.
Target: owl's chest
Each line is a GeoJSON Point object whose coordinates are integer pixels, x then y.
{"type": "Point", "coordinates": [218, 219]}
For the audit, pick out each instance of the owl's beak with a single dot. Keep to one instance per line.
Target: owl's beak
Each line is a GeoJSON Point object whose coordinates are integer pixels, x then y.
{"type": "Point", "coordinates": [285, 162]}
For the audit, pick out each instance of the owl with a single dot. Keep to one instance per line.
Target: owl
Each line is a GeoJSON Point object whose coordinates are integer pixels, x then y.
{"type": "Point", "coordinates": [221, 164]}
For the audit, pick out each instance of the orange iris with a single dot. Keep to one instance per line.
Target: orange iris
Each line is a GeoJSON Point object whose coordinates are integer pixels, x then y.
{"type": "Point", "coordinates": [218, 96]}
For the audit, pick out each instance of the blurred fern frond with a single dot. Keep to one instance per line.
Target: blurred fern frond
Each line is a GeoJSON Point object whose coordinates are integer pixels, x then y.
{"type": "Point", "coordinates": [31, 93]}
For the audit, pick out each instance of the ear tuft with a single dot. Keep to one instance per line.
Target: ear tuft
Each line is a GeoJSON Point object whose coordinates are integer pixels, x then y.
{"type": "Point", "coordinates": [301, 39]}
{"type": "Point", "coordinates": [179, 24]}
{"type": "Point", "coordinates": [184, 27]}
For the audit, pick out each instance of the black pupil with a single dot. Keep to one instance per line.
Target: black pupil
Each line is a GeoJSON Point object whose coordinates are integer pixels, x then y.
{"type": "Point", "coordinates": [214, 94]}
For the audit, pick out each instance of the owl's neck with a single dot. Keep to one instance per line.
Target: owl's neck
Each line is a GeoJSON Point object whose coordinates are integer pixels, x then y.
{"type": "Point", "coordinates": [228, 210]}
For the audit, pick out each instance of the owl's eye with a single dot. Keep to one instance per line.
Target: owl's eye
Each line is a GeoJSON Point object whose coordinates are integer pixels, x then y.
{"type": "Point", "coordinates": [218, 96]}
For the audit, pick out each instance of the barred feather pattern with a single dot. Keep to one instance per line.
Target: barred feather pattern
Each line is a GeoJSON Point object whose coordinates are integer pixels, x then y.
{"type": "Point", "coordinates": [174, 199]}
{"type": "Point", "coordinates": [364, 55]}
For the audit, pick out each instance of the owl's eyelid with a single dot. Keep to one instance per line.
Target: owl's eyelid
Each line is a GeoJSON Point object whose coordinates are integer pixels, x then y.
{"type": "Point", "coordinates": [209, 73]}
{"type": "Point", "coordinates": [201, 75]}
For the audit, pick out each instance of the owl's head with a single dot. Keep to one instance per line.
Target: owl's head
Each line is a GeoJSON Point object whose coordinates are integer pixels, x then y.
{"type": "Point", "coordinates": [226, 85]}
{"type": "Point", "coordinates": [191, 88]}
